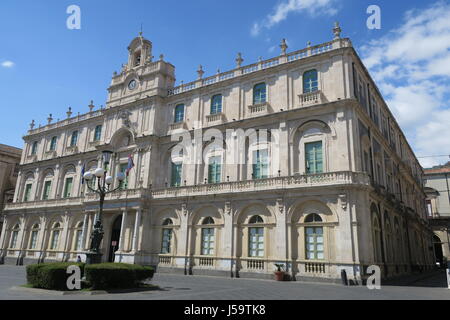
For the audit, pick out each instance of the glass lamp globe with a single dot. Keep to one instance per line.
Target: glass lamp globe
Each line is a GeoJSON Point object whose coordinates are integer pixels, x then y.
{"type": "Point", "coordinates": [99, 172]}
{"type": "Point", "coordinates": [120, 176]}
{"type": "Point", "coordinates": [109, 180]}
{"type": "Point", "coordinates": [88, 176]}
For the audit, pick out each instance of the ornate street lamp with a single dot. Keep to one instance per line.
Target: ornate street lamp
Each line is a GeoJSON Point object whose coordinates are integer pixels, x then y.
{"type": "Point", "coordinates": [104, 183]}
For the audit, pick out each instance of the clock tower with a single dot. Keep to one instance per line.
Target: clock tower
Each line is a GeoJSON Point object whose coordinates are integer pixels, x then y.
{"type": "Point", "coordinates": [140, 77]}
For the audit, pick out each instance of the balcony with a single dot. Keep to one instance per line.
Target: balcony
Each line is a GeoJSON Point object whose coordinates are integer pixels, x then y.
{"type": "Point", "coordinates": [213, 119]}
{"type": "Point", "coordinates": [311, 98]}
{"type": "Point", "coordinates": [259, 109]}
{"type": "Point", "coordinates": [330, 179]}
{"type": "Point", "coordinates": [71, 150]}
{"type": "Point", "coordinates": [292, 182]}
{"type": "Point", "coordinates": [177, 126]}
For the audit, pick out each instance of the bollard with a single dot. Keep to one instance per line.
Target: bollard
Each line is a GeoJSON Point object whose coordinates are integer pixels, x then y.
{"type": "Point", "coordinates": [344, 277]}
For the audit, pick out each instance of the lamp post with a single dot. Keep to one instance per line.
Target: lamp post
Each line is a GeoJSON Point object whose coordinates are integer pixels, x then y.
{"type": "Point", "coordinates": [104, 183]}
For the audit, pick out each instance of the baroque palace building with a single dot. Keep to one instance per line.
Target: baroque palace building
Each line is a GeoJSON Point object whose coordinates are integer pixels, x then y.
{"type": "Point", "coordinates": [335, 187]}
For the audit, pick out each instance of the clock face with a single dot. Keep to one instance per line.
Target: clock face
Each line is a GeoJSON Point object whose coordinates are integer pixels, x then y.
{"type": "Point", "coordinates": [132, 85]}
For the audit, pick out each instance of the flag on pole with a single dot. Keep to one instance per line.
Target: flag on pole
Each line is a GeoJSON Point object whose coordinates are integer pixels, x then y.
{"type": "Point", "coordinates": [130, 164]}
{"type": "Point", "coordinates": [83, 170]}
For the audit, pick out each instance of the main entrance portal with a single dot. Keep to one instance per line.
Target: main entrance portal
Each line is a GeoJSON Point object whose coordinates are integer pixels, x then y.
{"type": "Point", "coordinates": [115, 237]}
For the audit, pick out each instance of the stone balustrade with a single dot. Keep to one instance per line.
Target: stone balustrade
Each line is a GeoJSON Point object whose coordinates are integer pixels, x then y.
{"type": "Point", "coordinates": [261, 65]}
{"type": "Point", "coordinates": [275, 183]}
{"type": "Point", "coordinates": [259, 109]}
{"type": "Point", "coordinates": [311, 98]}
{"type": "Point", "coordinates": [218, 117]}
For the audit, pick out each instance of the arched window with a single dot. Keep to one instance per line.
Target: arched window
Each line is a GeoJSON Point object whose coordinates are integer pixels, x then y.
{"type": "Point", "coordinates": [14, 237]}
{"type": "Point", "coordinates": [74, 139]}
{"type": "Point", "coordinates": [34, 236]}
{"type": "Point", "coordinates": [166, 236]}
{"type": "Point", "coordinates": [259, 93]}
{"type": "Point", "coordinates": [377, 239]}
{"type": "Point", "coordinates": [55, 236]}
{"type": "Point", "coordinates": [256, 219]}
{"type": "Point", "coordinates": [53, 143]}
{"type": "Point", "coordinates": [314, 239]}
{"type": "Point", "coordinates": [256, 238]}
{"type": "Point", "coordinates": [216, 104]}
{"type": "Point", "coordinates": [98, 133]}
{"type": "Point", "coordinates": [179, 113]}
{"type": "Point", "coordinates": [313, 217]}
{"type": "Point", "coordinates": [310, 81]}
{"type": "Point", "coordinates": [208, 238]}
{"type": "Point", "coordinates": [79, 237]}
{"type": "Point", "coordinates": [167, 222]}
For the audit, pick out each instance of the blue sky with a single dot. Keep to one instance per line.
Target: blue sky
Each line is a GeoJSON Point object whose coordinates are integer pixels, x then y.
{"type": "Point", "coordinates": [45, 67]}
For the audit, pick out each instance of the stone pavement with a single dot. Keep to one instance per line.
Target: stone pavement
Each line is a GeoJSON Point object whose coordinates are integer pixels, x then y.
{"type": "Point", "coordinates": [179, 287]}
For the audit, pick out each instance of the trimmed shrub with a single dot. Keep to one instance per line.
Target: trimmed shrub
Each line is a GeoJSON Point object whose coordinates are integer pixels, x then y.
{"type": "Point", "coordinates": [52, 276]}
{"type": "Point", "coordinates": [116, 275]}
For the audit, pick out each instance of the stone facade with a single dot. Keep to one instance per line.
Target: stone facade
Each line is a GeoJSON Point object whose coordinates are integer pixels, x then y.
{"type": "Point", "coordinates": [9, 168]}
{"type": "Point", "coordinates": [334, 187]}
{"type": "Point", "coordinates": [438, 205]}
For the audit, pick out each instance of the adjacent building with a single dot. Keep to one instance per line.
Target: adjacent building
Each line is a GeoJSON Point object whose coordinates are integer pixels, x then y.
{"type": "Point", "coordinates": [9, 168]}
{"type": "Point", "coordinates": [438, 208]}
{"type": "Point", "coordinates": [324, 179]}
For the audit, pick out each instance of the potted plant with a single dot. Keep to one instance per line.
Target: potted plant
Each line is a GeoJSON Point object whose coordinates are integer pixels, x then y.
{"type": "Point", "coordinates": [279, 274]}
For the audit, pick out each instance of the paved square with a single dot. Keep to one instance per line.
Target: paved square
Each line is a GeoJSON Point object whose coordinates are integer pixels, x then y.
{"type": "Point", "coordinates": [179, 287]}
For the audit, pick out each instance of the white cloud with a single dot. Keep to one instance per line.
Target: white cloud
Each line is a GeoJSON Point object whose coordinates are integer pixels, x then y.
{"type": "Point", "coordinates": [283, 9]}
{"type": "Point", "coordinates": [411, 65]}
{"type": "Point", "coordinates": [7, 64]}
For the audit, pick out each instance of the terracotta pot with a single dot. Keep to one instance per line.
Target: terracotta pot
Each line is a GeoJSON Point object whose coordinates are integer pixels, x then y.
{"type": "Point", "coordinates": [279, 275]}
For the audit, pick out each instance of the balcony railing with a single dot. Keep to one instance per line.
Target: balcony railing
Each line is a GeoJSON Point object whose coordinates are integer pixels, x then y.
{"type": "Point", "coordinates": [324, 179]}
{"type": "Point", "coordinates": [262, 65]}
{"type": "Point", "coordinates": [177, 126]}
{"type": "Point", "coordinates": [213, 118]}
{"type": "Point", "coordinates": [275, 183]}
{"type": "Point", "coordinates": [259, 109]}
{"type": "Point", "coordinates": [311, 98]}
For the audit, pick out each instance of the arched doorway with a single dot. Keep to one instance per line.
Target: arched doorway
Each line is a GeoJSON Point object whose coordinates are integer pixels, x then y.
{"type": "Point", "coordinates": [438, 250]}
{"type": "Point", "coordinates": [115, 237]}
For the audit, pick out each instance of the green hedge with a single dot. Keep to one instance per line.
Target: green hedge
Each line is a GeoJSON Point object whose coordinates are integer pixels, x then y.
{"type": "Point", "coordinates": [52, 276]}
{"type": "Point", "coordinates": [116, 275]}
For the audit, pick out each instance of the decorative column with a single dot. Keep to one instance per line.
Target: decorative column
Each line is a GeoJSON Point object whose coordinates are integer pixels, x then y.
{"type": "Point", "coordinates": [84, 232]}
{"type": "Point", "coordinates": [122, 231]}
{"type": "Point", "coordinates": [66, 247]}
{"type": "Point", "coordinates": [281, 232]}
{"type": "Point", "coordinates": [137, 223]}
{"type": "Point", "coordinates": [3, 238]}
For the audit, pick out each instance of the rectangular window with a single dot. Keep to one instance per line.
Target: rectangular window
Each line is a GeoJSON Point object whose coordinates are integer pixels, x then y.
{"type": "Point", "coordinates": [98, 133]}
{"type": "Point", "coordinates": [260, 164]}
{"type": "Point", "coordinates": [79, 240]}
{"type": "Point", "coordinates": [259, 93]}
{"type": "Point", "coordinates": [53, 143]}
{"type": "Point", "coordinates": [33, 240]}
{"type": "Point", "coordinates": [216, 104]}
{"type": "Point", "coordinates": [314, 243]}
{"type": "Point", "coordinates": [123, 185]}
{"type": "Point", "coordinates": [207, 241]}
{"type": "Point", "coordinates": [55, 238]}
{"type": "Point", "coordinates": [256, 242]}
{"type": "Point", "coordinates": [14, 237]}
{"type": "Point", "coordinates": [176, 174]}
{"type": "Point", "coordinates": [429, 208]}
{"type": "Point", "coordinates": [47, 189]}
{"type": "Point", "coordinates": [27, 195]}
{"type": "Point", "coordinates": [74, 139]}
{"type": "Point", "coordinates": [314, 157]}
{"type": "Point", "coordinates": [166, 239]}
{"type": "Point", "coordinates": [34, 148]}
{"type": "Point", "coordinates": [179, 113]}
{"type": "Point", "coordinates": [214, 169]}
{"type": "Point", "coordinates": [68, 188]}
{"type": "Point", "coordinates": [310, 81]}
